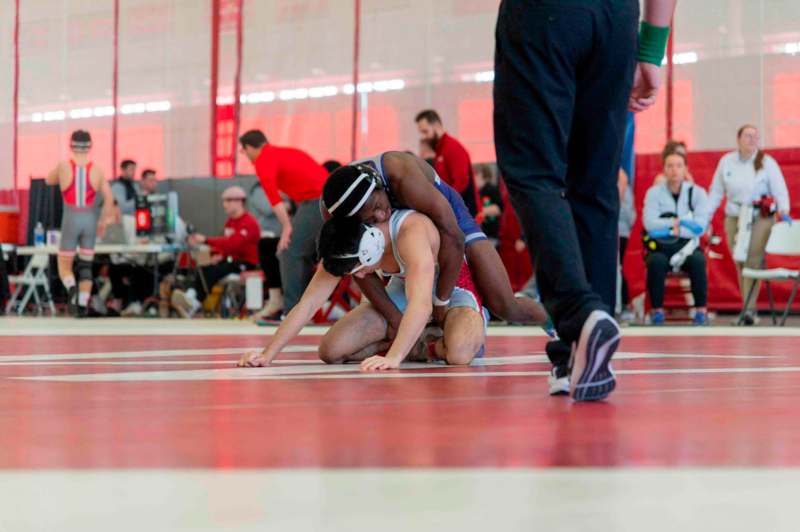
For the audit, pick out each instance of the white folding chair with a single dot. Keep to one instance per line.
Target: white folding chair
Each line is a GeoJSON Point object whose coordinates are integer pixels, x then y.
{"type": "Point", "coordinates": [27, 284]}
{"type": "Point", "coordinates": [783, 240]}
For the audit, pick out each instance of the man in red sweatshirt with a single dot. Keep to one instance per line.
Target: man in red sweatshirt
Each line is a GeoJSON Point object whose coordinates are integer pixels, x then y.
{"type": "Point", "coordinates": [452, 161]}
{"type": "Point", "coordinates": [296, 174]}
{"type": "Point", "coordinates": [234, 252]}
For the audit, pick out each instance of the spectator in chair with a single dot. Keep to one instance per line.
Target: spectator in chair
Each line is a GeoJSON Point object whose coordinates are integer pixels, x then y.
{"type": "Point", "coordinates": [675, 216]}
{"type": "Point", "coordinates": [673, 146]}
{"type": "Point", "coordinates": [749, 177]}
{"type": "Point", "coordinates": [234, 252]}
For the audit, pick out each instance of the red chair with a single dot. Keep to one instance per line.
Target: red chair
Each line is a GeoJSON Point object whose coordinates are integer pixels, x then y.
{"type": "Point", "coordinates": [346, 296]}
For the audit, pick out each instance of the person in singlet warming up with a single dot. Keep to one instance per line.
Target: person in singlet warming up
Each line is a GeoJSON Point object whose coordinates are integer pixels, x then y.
{"type": "Point", "coordinates": [80, 181]}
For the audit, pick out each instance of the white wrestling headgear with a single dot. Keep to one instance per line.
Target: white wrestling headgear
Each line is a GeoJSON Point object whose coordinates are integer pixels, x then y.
{"type": "Point", "coordinates": [370, 249]}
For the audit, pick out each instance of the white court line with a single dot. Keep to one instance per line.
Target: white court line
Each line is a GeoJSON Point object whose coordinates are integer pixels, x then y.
{"type": "Point", "coordinates": [353, 372]}
{"type": "Point", "coordinates": [15, 359]}
{"type": "Point", "coordinates": [31, 326]}
{"type": "Point", "coordinates": [112, 359]}
{"type": "Point", "coordinates": [147, 354]}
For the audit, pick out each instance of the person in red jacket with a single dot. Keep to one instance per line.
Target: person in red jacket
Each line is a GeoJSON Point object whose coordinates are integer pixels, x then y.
{"type": "Point", "coordinates": [452, 161]}
{"type": "Point", "coordinates": [234, 252]}
{"type": "Point", "coordinates": [296, 174]}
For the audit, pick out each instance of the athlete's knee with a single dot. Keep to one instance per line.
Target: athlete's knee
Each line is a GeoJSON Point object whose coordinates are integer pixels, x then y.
{"type": "Point", "coordinates": [462, 352]}
{"type": "Point", "coordinates": [462, 345]}
{"type": "Point", "coordinates": [83, 267]}
{"type": "Point", "coordinates": [328, 352]}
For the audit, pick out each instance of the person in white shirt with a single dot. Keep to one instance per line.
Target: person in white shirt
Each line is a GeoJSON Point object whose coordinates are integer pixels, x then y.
{"type": "Point", "coordinates": [675, 215]}
{"type": "Point", "coordinates": [749, 177]}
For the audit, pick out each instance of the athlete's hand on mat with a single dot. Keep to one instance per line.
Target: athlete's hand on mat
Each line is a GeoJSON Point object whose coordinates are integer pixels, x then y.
{"type": "Point", "coordinates": [439, 313]}
{"type": "Point", "coordinates": [378, 363]}
{"type": "Point", "coordinates": [253, 359]}
{"type": "Point", "coordinates": [646, 81]}
{"type": "Point", "coordinates": [286, 238]}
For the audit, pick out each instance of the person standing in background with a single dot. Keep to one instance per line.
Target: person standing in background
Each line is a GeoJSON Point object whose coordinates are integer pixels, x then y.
{"type": "Point", "coordinates": [300, 178]}
{"type": "Point", "coordinates": [125, 189]}
{"type": "Point", "coordinates": [80, 182]}
{"type": "Point", "coordinates": [452, 162]}
{"type": "Point", "coordinates": [260, 207]}
{"type": "Point", "coordinates": [627, 213]}
{"type": "Point", "coordinates": [427, 152]}
{"type": "Point", "coordinates": [627, 217]}
{"type": "Point", "coordinates": [749, 177]}
{"type": "Point", "coordinates": [564, 74]}
{"type": "Point", "coordinates": [149, 183]}
{"type": "Point", "coordinates": [491, 202]}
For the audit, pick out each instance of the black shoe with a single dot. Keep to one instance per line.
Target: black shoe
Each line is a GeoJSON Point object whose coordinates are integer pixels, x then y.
{"type": "Point", "coordinates": [748, 320]}
{"type": "Point", "coordinates": [592, 378]}
{"type": "Point", "coordinates": [83, 312]}
{"type": "Point", "coordinates": [72, 301]}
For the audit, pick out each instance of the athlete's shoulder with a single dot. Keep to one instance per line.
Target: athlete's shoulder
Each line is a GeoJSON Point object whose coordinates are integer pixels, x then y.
{"type": "Point", "coordinates": [415, 221]}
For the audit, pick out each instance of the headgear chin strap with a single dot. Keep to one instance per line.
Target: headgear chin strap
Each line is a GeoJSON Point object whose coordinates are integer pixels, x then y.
{"type": "Point", "coordinates": [370, 249]}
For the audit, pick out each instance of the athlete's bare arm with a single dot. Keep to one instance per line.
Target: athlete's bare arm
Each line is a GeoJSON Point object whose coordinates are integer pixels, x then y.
{"type": "Point", "coordinates": [54, 176]}
{"type": "Point", "coordinates": [414, 189]}
{"type": "Point", "coordinates": [104, 187]}
{"type": "Point", "coordinates": [416, 244]}
{"type": "Point", "coordinates": [316, 294]}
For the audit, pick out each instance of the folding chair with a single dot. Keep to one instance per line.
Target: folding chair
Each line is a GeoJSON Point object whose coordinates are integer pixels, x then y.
{"type": "Point", "coordinates": [345, 296]}
{"type": "Point", "coordinates": [33, 277]}
{"type": "Point", "coordinates": [783, 240]}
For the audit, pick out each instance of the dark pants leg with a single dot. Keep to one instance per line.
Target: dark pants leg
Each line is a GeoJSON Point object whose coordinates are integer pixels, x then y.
{"type": "Point", "coordinates": [268, 260]}
{"type": "Point", "coordinates": [120, 277]}
{"type": "Point", "coordinates": [657, 268]}
{"type": "Point", "coordinates": [563, 74]}
{"type": "Point", "coordinates": [299, 260]}
{"type": "Point", "coordinates": [5, 293]}
{"type": "Point", "coordinates": [695, 266]}
{"type": "Point", "coordinates": [623, 245]}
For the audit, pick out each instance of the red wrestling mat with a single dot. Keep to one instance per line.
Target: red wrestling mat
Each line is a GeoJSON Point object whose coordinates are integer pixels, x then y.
{"type": "Point", "coordinates": [178, 402]}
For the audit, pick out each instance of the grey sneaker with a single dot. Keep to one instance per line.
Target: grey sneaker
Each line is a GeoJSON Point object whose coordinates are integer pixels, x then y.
{"type": "Point", "coordinates": [592, 378]}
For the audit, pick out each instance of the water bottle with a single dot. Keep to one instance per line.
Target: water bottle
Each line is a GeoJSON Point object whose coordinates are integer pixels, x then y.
{"type": "Point", "coordinates": [38, 235]}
